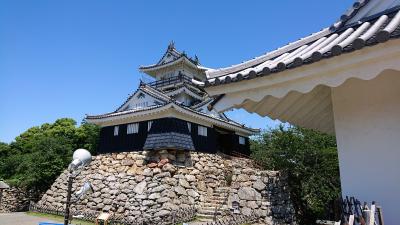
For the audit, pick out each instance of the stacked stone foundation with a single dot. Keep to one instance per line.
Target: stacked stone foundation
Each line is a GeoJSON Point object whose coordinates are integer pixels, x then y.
{"type": "Point", "coordinates": [153, 184]}
{"type": "Point", "coordinates": [14, 199]}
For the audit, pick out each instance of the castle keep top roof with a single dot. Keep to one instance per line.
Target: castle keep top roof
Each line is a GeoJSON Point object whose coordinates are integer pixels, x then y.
{"type": "Point", "coordinates": [172, 57]}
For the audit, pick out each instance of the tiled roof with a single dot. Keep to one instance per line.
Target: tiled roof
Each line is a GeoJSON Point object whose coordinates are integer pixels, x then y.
{"type": "Point", "coordinates": [171, 140]}
{"type": "Point", "coordinates": [178, 107]}
{"type": "Point", "coordinates": [150, 91]}
{"type": "Point", "coordinates": [176, 56]}
{"type": "Point", "coordinates": [359, 11]}
{"type": "Point", "coordinates": [341, 38]}
{"type": "Point", "coordinates": [166, 100]}
{"type": "Point", "coordinates": [155, 92]}
{"type": "Point", "coordinates": [229, 121]}
{"type": "Point", "coordinates": [172, 51]}
{"type": "Point", "coordinates": [194, 88]}
{"type": "Point", "coordinates": [202, 103]}
{"type": "Point", "coordinates": [188, 89]}
{"type": "Point", "coordinates": [113, 114]}
{"type": "Point", "coordinates": [177, 60]}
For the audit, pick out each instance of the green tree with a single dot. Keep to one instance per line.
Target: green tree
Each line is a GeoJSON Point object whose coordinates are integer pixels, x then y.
{"type": "Point", "coordinates": [310, 159]}
{"type": "Point", "coordinates": [38, 156]}
{"type": "Point", "coordinates": [50, 156]}
{"type": "Point", "coordinates": [87, 136]}
{"type": "Point", "coordinates": [4, 150]}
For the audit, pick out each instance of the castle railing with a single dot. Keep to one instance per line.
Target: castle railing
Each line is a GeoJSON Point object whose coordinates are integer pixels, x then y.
{"type": "Point", "coordinates": [181, 78]}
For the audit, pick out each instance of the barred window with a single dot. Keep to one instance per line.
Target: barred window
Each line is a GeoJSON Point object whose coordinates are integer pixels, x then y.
{"type": "Point", "coordinates": [149, 123]}
{"type": "Point", "coordinates": [202, 131]}
{"type": "Point", "coordinates": [116, 130]}
{"type": "Point", "coordinates": [242, 140]}
{"type": "Point", "coordinates": [132, 128]}
{"type": "Point", "coordinates": [141, 105]}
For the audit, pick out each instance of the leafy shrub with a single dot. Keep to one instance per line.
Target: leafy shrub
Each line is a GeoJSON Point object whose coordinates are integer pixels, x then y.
{"type": "Point", "coordinates": [311, 160]}
{"type": "Point", "coordinates": [228, 178]}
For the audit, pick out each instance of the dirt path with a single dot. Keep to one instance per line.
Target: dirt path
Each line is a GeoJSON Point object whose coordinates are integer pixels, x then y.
{"type": "Point", "coordinates": [20, 218]}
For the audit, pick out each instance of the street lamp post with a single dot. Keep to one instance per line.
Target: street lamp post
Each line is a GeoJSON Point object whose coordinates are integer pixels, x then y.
{"type": "Point", "coordinates": [81, 158]}
{"type": "Point", "coordinates": [68, 203]}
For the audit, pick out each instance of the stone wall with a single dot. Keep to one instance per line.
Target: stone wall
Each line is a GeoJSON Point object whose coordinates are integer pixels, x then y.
{"type": "Point", "coordinates": [263, 193]}
{"type": "Point", "coordinates": [148, 184]}
{"type": "Point", "coordinates": [14, 200]}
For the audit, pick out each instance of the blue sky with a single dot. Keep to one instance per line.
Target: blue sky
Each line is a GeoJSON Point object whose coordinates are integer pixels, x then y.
{"type": "Point", "coordinates": [71, 58]}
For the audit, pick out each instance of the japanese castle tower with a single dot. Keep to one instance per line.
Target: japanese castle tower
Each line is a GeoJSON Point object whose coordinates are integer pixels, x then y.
{"type": "Point", "coordinates": [171, 113]}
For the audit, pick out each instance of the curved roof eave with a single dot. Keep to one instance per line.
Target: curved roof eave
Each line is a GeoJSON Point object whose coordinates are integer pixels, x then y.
{"type": "Point", "coordinates": [98, 119]}
{"type": "Point", "coordinates": [183, 58]}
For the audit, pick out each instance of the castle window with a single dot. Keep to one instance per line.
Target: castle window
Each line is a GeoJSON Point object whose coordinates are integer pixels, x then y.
{"type": "Point", "coordinates": [149, 123]}
{"type": "Point", "coordinates": [202, 131]}
{"type": "Point", "coordinates": [116, 130]}
{"type": "Point", "coordinates": [242, 140]}
{"type": "Point", "coordinates": [187, 102]}
{"type": "Point", "coordinates": [141, 105]}
{"type": "Point", "coordinates": [132, 128]}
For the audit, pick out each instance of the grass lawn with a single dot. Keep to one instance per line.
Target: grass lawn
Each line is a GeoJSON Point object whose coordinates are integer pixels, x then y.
{"type": "Point", "coordinates": [59, 218]}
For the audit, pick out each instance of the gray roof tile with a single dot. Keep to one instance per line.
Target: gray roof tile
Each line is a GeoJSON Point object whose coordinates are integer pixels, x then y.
{"type": "Point", "coordinates": [171, 140]}
{"type": "Point", "coordinates": [327, 43]}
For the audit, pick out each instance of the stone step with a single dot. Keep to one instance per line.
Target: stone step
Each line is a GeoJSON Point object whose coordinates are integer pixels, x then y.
{"type": "Point", "coordinates": [215, 198]}
{"type": "Point", "coordinates": [209, 212]}
{"type": "Point", "coordinates": [216, 201]}
{"type": "Point", "coordinates": [219, 194]}
{"type": "Point", "coordinates": [205, 220]}
{"type": "Point", "coordinates": [209, 204]}
{"type": "Point", "coordinates": [222, 189]}
{"type": "Point", "coordinates": [224, 207]}
{"type": "Point", "coordinates": [204, 217]}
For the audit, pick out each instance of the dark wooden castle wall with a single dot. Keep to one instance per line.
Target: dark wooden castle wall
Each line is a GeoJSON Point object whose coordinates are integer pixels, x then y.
{"type": "Point", "coordinates": [202, 143]}
{"type": "Point", "coordinates": [123, 142]}
{"type": "Point", "coordinates": [227, 142]}
{"type": "Point", "coordinates": [134, 142]}
{"type": "Point", "coordinates": [243, 149]}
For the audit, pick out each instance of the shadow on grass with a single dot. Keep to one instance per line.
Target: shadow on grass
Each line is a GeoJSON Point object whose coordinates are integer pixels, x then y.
{"type": "Point", "coordinates": [59, 218]}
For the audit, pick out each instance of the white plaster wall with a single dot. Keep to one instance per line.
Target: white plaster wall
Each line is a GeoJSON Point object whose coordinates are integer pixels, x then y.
{"type": "Point", "coordinates": [135, 102]}
{"type": "Point", "coordinates": [367, 124]}
{"type": "Point", "coordinates": [174, 71]}
{"type": "Point", "coordinates": [184, 98]}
